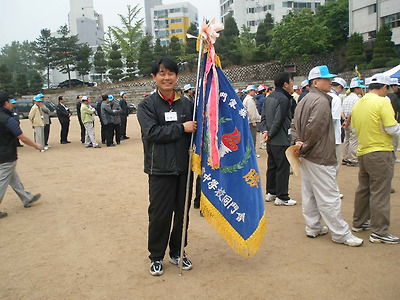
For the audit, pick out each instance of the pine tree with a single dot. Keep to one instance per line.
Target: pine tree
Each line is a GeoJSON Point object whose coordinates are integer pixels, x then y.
{"type": "Point", "coordinates": [99, 62]}
{"type": "Point", "coordinates": [174, 48]}
{"type": "Point", "coordinates": [83, 65]}
{"type": "Point", "coordinates": [115, 63]}
{"type": "Point", "coordinates": [190, 55]}
{"type": "Point", "coordinates": [36, 84]}
{"type": "Point", "coordinates": [228, 44]}
{"type": "Point", "coordinates": [384, 48]}
{"type": "Point", "coordinates": [355, 55]}
{"type": "Point", "coordinates": [21, 84]}
{"type": "Point", "coordinates": [159, 50]}
{"type": "Point", "coordinates": [5, 79]}
{"type": "Point", "coordinates": [44, 50]}
{"type": "Point", "coordinates": [146, 56]}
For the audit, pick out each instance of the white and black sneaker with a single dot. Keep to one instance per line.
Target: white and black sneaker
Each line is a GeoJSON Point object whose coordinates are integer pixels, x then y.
{"type": "Point", "coordinates": [364, 226]}
{"type": "Point", "coordinates": [323, 230]}
{"type": "Point", "coordinates": [280, 202]}
{"type": "Point", "coordinates": [186, 263]}
{"type": "Point", "coordinates": [389, 239]}
{"type": "Point", "coordinates": [156, 268]}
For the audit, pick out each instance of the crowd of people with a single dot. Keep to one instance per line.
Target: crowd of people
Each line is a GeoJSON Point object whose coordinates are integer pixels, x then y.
{"type": "Point", "coordinates": [314, 115]}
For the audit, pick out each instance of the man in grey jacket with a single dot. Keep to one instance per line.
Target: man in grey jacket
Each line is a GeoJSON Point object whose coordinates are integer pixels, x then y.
{"type": "Point", "coordinates": [276, 118]}
{"type": "Point", "coordinates": [312, 130]}
{"type": "Point", "coordinates": [107, 117]}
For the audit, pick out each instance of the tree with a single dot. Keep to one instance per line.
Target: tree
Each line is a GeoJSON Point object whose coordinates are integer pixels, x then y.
{"type": "Point", "coordinates": [44, 50]}
{"type": "Point", "coordinates": [299, 36]}
{"type": "Point", "coordinates": [264, 33]}
{"type": "Point", "coordinates": [115, 63]}
{"type": "Point", "coordinates": [21, 84]}
{"type": "Point", "coordinates": [36, 83]}
{"type": "Point", "coordinates": [247, 44]}
{"type": "Point", "coordinates": [355, 55]}
{"type": "Point", "coordinates": [228, 44]}
{"type": "Point", "coordinates": [159, 50]}
{"type": "Point", "coordinates": [128, 36]}
{"type": "Point", "coordinates": [190, 53]}
{"type": "Point", "coordinates": [83, 64]}
{"type": "Point", "coordinates": [99, 62]}
{"type": "Point", "coordinates": [145, 56]}
{"type": "Point", "coordinates": [175, 48]}
{"type": "Point", "coordinates": [5, 79]}
{"type": "Point", "coordinates": [384, 48]}
{"type": "Point", "coordinates": [66, 48]}
{"type": "Point", "coordinates": [335, 16]}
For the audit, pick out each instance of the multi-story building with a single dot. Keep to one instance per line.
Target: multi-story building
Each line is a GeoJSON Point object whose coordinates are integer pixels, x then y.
{"type": "Point", "coordinates": [367, 16]}
{"type": "Point", "coordinates": [148, 5]}
{"type": "Point", "coordinates": [252, 12]}
{"type": "Point", "coordinates": [172, 20]}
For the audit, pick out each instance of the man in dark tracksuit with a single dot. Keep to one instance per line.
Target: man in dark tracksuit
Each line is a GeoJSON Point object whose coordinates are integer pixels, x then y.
{"type": "Point", "coordinates": [124, 115]}
{"type": "Point", "coordinates": [78, 113]}
{"type": "Point", "coordinates": [276, 119]}
{"type": "Point", "coordinates": [166, 123]}
{"type": "Point", "coordinates": [63, 115]}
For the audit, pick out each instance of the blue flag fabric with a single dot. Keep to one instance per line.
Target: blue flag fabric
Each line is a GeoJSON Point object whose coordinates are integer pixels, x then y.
{"type": "Point", "coordinates": [232, 198]}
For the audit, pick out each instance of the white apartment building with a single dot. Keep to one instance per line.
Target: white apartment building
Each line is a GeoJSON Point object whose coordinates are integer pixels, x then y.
{"type": "Point", "coordinates": [252, 12]}
{"type": "Point", "coordinates": [367, 16]}
{"type": "Point", "coordinates": [172, 20]}
{"type": "Point", "coordinates": [148, 5]}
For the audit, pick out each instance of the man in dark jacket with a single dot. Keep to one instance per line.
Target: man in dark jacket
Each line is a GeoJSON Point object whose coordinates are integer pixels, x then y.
{"type": "Point", "coordinates": [78, 113]}
{"type": "Point", "coordinates": [63, 115]}
{"type": "Point", "coordinates": [107, 118]}
{"type": "Point", "coordinates": [166, 123]}
{"type": "Point", "coordinates": [124, 115]}
{"type": "Point", "coordinates": [276, 118]}
{"type": "Point", "coordinates": [9, 131]}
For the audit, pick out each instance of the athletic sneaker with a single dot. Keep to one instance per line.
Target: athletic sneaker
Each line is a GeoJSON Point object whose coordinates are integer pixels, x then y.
{"type": "Point", "coordinates": [34, 199]}
{"type": "Point", "coordinates": [389, 239]}
{"type": "Point", "coordinates": [186, 263]}
{"type": "Point", "coordinates": [270, 197]}
{"type": "Point", "coordinates": [156, 268]}
{"type": "Point", "coordinates": [279, 202]}
{"type": "Point", "coordinates": [324, 230]}
{"type": "Point", "coordinates": [365, 226]}
{"type": "Point", "coordinates": [351, 241]}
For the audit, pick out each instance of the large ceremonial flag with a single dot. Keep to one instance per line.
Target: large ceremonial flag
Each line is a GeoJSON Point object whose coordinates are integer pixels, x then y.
{"type": "Point", "coordinates": [224, 155]}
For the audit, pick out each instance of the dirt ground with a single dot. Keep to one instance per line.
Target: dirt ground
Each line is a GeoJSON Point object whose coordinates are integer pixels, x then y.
{"type": "Point", "coordinates": [86, 238]}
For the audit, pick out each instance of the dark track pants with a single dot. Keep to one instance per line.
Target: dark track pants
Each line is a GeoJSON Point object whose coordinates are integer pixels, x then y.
{"type": "Point", "coordinates": [278, 171]}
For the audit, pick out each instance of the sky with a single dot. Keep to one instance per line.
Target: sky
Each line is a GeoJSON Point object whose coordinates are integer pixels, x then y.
{"type": "Point", "coordinates": [23, 19]}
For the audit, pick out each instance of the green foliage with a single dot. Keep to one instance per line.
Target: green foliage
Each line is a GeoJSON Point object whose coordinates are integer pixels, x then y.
{"type": "Point", "coordinates": [335, 16]}
{"type": "Point", "coordinates": [115, 63]}
{"type": "Point", "coordinates": [247, 44]}
{"type": "Point", "coordinates": [175, 48]}
{"type": "Point", "coordinates": [228, 45]}
{"type": "Point", "coordinates": [6, 79]}
{"type": "Point", "coordinates": [264, 31]}
{"type": "Point", "coordinates": [299, 36]}
{"type": "Point", "coordinates": [66, 48]}
{"type": "Point", "coordinates": [159, 50]}
{"type": "Point", "coordinates": [100, 62]}
{"type": "Point", "coordinates": [83, 65]}
{"type": "Point", "coordinates": [145, 56]}
{"type": "Point", "coordinates": [384, 49]}
{"type": "Point", "coordinates": [44, 49]}
{"type": "Point", "coordinates": [191, 43]}
{"type": "Point", "coordinates": [21, 84]}
{"type": "Point", "coordinates": [355, 55]}
{"type": "Point", "coordinates": [36, 83]}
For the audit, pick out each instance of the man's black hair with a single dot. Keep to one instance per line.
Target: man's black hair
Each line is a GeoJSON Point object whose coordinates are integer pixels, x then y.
{"type": "Point", "coordinates": [281, 78]}
{"type": "Point", "coordinates": [168, 63]}
{"type": "Point", "coordinates": [77, 97]}
{"type": "Point", "coordinates": [376, 86]}
{"type": "Point", "coordinates": [104, 97]}
{"type": "Point", "coordinates": [310, 82]}
{"type": "Point", "coordinates": [60, 98]}
{"type": "Point", "coordinates": [4, 96]}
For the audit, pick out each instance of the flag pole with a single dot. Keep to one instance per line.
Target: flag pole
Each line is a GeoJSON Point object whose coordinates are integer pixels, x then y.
{"type": "Point", "coordinates": [186, 208]}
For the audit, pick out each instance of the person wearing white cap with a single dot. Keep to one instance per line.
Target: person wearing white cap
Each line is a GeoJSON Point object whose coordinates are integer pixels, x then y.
{"type": "Point", "coordinates": [296, 93]}
{"type": "Point", "coordinates": [124, 114]}
{"type": "Point", "coordinates": [373, 119]}
{"type": "Point", "coordinates": [395, 100]}
{"type": "Point", "coordinates": [87, 113]}
{"type": "Point", "coordinates": [338, 85]}
{"type": "Point", "coordinates": [36, 118]}
{"type": "Point", "coordinates": [46, 121]}
{"type": "Point", "coordinates": [350, 140]}
{"type": "Point", "coordinates": [312, 130]}
{"type": "Point", "coordinates": [254, 117]}
{"type": "Point", "coordinates": [188, 92]}
{"type": "Point", "coordinates": [305, 87]}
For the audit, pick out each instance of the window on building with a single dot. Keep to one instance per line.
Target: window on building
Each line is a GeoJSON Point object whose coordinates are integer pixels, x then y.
{"type": "Point", "coordinates": [287, 4]}
{"type": "Point", "coordinates": [174, 10]}
{"type": "Point", "coordinates": [179, 20]}
{"type": "Point", "coordinates": [251, 10]}
{"type": "Point", "coordinates": [372, 9]}
{"type": "Point", "coordinates": [392, 20]}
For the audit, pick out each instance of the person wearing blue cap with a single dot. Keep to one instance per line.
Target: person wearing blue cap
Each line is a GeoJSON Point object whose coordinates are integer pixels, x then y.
{"type": "Point", "coordinates": [64, 115]}
{"type": "Point", "coordinates": [373, 119]}
{"type": "Point", "coordinates": [124, 115]}
{"type": "Point", "coordinates": [312, 131]}
{"type": "Point", "coordinates": [350, 138]}
{"type": "Point", "coordinates": [46, 121]}
{"type": "Point", "coordinates": [36, 118]}
{"type": "Point", "coordinates": [107, 117]}
{"type": "Point", "coordinates": [9, 131]}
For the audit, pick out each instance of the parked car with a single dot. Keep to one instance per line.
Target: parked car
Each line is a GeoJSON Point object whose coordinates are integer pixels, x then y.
{"type": "Point", "coordinates": [74, 83]}
{"type": "Point", "coordinates": [24, 106]}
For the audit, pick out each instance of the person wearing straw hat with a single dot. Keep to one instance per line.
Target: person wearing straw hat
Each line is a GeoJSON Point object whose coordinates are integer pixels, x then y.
{"type": "Point", "coordinates": [372, 117]}
{"type": "Point", "coordinates": [350, 139]}
{"type": "Point", "coordinates": [166, 122]}
{"type": "Point", "coordinates": [312, 130]}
